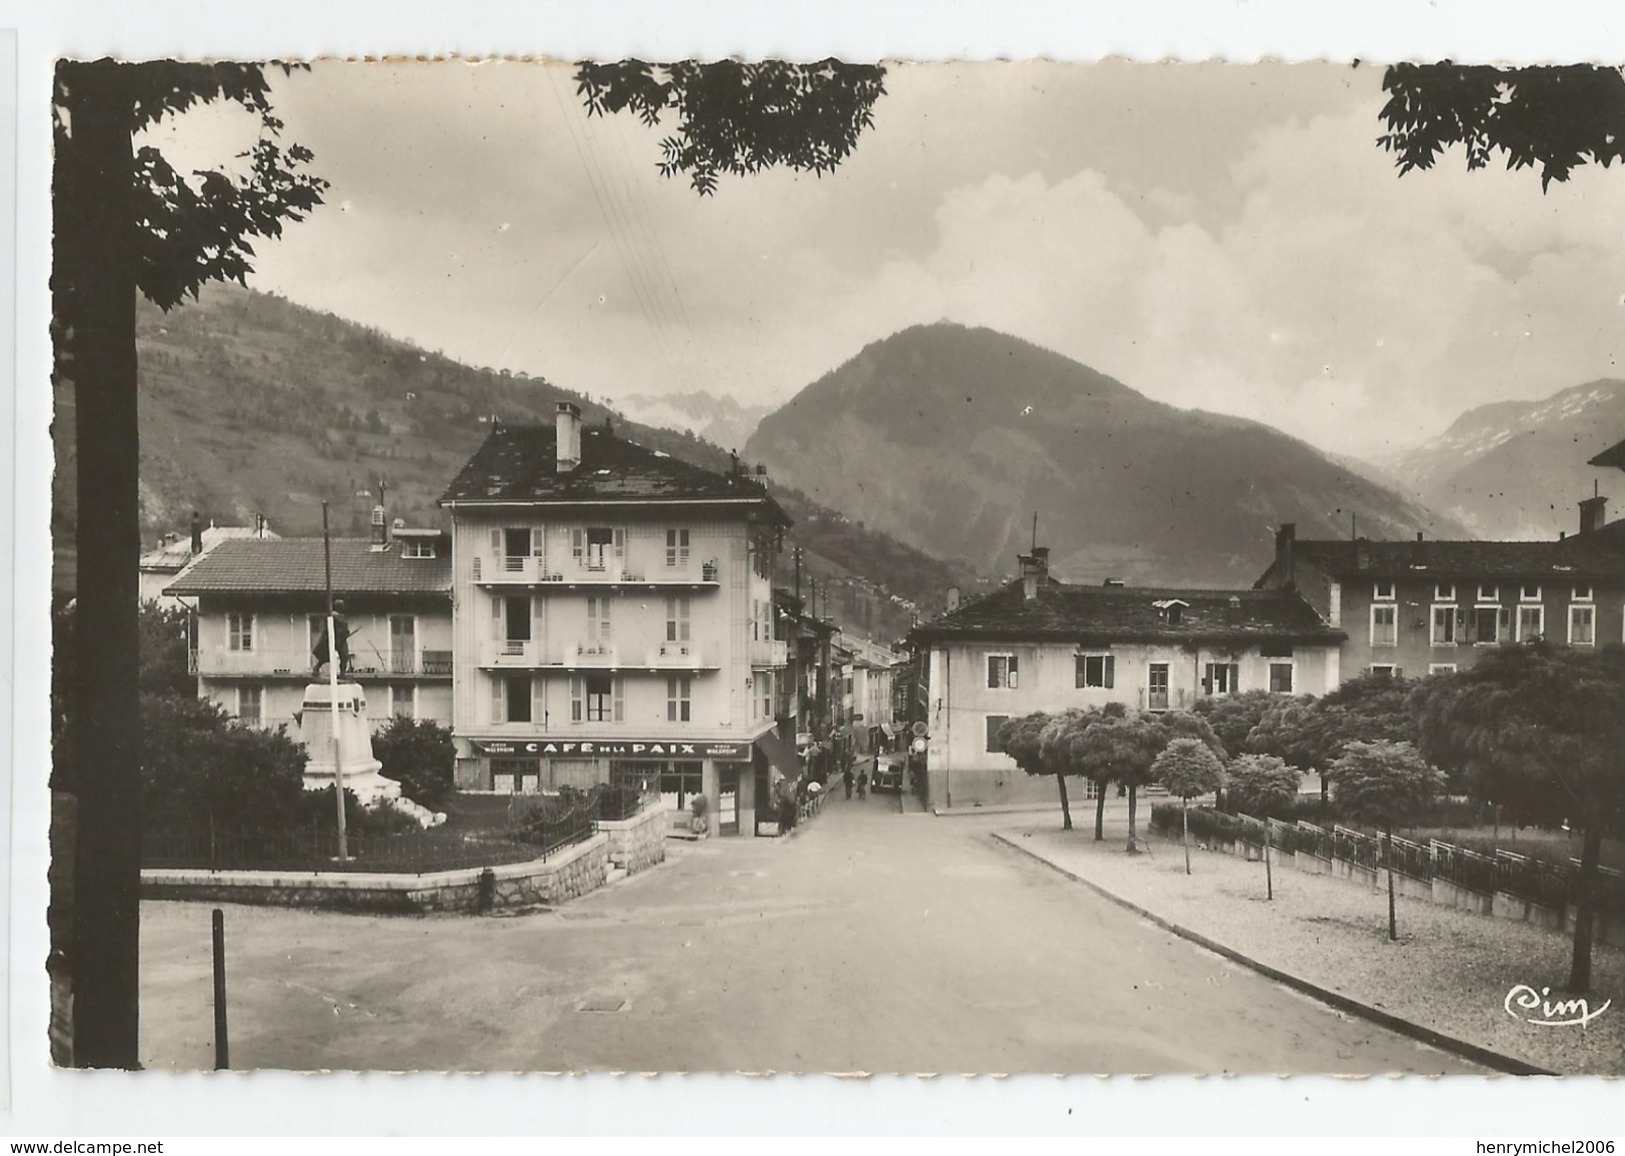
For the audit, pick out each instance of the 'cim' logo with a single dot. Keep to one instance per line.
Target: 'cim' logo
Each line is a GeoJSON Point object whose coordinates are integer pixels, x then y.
{"type": "Point", "coordinates": [1563, 1013]}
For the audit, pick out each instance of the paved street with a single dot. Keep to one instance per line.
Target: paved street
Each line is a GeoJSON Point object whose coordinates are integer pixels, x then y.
{"type": "Point", "coordinates": [871, 941]}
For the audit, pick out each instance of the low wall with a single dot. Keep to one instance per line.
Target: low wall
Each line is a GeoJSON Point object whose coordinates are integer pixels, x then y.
{"type": "Point", "coordinates": [638, 843]}
{"type": "Point", "coordinates": [566, 875]}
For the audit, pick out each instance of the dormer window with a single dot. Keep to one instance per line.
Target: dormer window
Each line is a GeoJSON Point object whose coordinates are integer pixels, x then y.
{"type": "Point", "coordinates": [1383, 590]}
{"type": "Point", "coordinates": [1172, 609]}
{"type": "Point", "coordinates": [417, 548]}
{"type": "Point", "coordinates": [1176, 614]}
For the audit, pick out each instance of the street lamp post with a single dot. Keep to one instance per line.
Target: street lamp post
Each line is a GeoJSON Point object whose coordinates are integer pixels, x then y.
{"type": "Point", "coordinates": [333, 685]}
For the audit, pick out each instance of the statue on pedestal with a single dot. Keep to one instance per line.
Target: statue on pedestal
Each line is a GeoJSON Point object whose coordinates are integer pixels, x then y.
{"type": "Point", "coordinates": [362, 775]}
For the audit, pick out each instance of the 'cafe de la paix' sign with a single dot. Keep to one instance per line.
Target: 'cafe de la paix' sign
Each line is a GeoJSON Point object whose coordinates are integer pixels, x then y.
{"type": "Point", "coordinates": [616, 748]}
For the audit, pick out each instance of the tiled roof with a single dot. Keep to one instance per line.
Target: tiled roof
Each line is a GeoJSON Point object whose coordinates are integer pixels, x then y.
{"type": "Point", "coordinates": [1064, 612]}
{"type": "Point", "coordinates": [520, 464]}
{"type": "Point", "coordinates": [173, 556]}
{"type": "Point", "coordinates": [295, 565]}
{"type": "Point", "coordinates": [1583, 555]}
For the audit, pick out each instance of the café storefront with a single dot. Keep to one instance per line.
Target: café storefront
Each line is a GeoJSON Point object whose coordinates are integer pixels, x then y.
{"type": "Point", "coordinates": [732, 774]}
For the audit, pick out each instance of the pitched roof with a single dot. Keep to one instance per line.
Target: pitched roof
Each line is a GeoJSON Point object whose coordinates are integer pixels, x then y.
{"type": "Point", "coordinates": [1614, 455]}
{"type": "Point", "coordinates": [520, 464]}
{"type": "Point", "coordinates": [1100, 614]}
{"type": "Point", "coordinates": [1583, 555]}
{"type": "Point", "coordinates": [173, 555]}
{"type": "Point", "coordinates": [296, 565]}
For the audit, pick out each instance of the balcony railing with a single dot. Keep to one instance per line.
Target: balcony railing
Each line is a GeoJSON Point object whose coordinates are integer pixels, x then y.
{"type": "Point", "coordinates": [530, 654]}
{"type": "Point", "coordinates": [296, 662]}
{"type": "Point", "coordinates": [537, 571]}
{"type": "Point", "coordinates": [769, 652]}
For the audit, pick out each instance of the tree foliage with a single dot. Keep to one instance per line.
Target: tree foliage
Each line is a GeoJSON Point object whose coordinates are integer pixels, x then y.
{"type": "Point", "coordinates": [1262, 785]}
{"type": "Point", "coordinates": [418, 754]}
{"type": "Point", "coordinates": [1545, 117]}
{"type": "Point", "coordinates": [739, 117]}
{"type": "Point", "coordinates": [1233, 716]}
{"type": "Point", "coordinates": [165, 668]}
{"type": "Point", "coordinates": [199, 768]}
{"type": "Point", "coordinates": [1188, 768]}
{"type": "Point", "coordinates": [1384, 783]}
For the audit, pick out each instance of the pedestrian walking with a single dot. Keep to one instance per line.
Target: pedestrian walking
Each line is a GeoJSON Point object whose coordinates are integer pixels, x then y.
{"type": "Point", "coordinates": [846, 778]}
{"type": "Point", "coordinates": [863, 784]}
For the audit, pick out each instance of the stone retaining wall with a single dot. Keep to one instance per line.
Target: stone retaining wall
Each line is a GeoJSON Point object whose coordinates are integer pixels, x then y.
{"type": "Point", "coordinates": [566, 875]}
{"type": "Point", "coordinates": [638, 843]}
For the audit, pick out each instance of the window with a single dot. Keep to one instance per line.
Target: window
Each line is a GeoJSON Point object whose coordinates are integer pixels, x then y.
{"type": "Point", "coordinates": [1385, 626]}
{"type": "Point", "coordinates": [1582, 625]}
{"type": "Point", "coordinates": [764, 683]}
{"type": "Point", "coordinates": [1444, 626]}
{"type": "Point", "coordinates": [417, 548]}
{"type": "Point", "coordinates": [1489, 594]}
{"type": "Point", "coordinates": [510, 701]}
{"type": "Point", "coordinates": [1280, 678]}
{"type": "Point", "coordinates": [1385, 670]}
{"type": "Point", "coordinates": [603, 697]}
{"type": "Point", "coordinates": [1445, 591]}
{"type": "Point", "coordinates": [1582, 594]}
{"type": "Point", "coordinates": [1157, 686]}
{"type": "Point", "coordinates": [1095, 670]}
{"type": "Point", "coordinates": [677, 608]}
{"type": "Point", "coordinates": [598, 618]}
{"type": "Point", "coordinates": [994, 722]}
{"type": "Point", "coordinates": [516, 548]}
{"type": "Point", "coordinates": [1176, 614]}
{"type": "Point", "coordinates": [1003, 672]}
{"type": "Point", "coordinates": [1529, 594]}
{"type": "Point", "coordinates": [1222, 678]}
{"type": "Point", "coordinates": [680, 782]}
{"type": "Point", "coordinates": [240, 632]}
{"type": "Point", "coordinates": [1442, 668]}
{"type": "Point", "coordinates": [1487, 622]}
{"type": "Point", "coordinates": [520, 776]}
{"type": "Point", "coordinates": [596, 546]}
{"type": "Point", "coordinates": [1383, 590]}
{"type": "Point", "coordinates": [250, 703]}
{"type": "Point", "coordinates": [1531, 623]}
{"type": "Point", "coordinates": [676, 548]}
{"type": "Point", "coordinates": [403, 700]}
{"type": "Point", "coordinates": [678, 706]}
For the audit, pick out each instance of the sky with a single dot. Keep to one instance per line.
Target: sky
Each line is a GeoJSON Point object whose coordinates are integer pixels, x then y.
{"type": "Point", "coordinates": [1225, 237]}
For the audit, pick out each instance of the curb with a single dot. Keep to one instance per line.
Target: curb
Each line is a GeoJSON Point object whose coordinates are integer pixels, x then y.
{"type": "Point", "coordinates": [1479, 1055]}
{"type": "Point", "coordinates": [997, 809]}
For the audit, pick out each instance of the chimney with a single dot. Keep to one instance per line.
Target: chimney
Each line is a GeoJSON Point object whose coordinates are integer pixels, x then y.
{"type": "Point", "coordinates": [953, 599]}
{"type": "Point", "coordinates": [380, 528]}
{"type": "Point", "coordinates": [197, 534]}
{"type": "Point", "coordinates": [1284, 539]}
{"type": "Point", "coordinates": [567, 431]}
{"type": "Point", "coordinates": [1034, 567]}
{"type": "Point", "coordinates": [1232, 611]}
{"type": "Point", "coordinates": [1418, 535]}
{"type": "Point", "coordinates": [1593, 513]}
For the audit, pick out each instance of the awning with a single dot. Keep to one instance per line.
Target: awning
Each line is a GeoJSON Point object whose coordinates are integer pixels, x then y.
{"type": "Point", "coordinates": [780, 754]}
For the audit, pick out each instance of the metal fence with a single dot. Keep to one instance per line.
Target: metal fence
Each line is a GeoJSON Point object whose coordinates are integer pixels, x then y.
{"type": "Point", "coordinates": [407, 853]}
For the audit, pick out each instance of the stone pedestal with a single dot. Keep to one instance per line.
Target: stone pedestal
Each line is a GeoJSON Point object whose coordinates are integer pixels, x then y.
{"type": "Point", "coordinates": [361, 770]}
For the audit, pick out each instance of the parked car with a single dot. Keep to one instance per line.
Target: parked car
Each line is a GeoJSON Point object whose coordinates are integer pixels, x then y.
{"type": "Point", "coordinates": [888, 775]}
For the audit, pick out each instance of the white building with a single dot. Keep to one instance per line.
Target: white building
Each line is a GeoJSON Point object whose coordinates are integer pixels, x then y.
{"type": "Point", "coordinates": [1039, 644]}
{"type": "Point", "coordinates": [168, 560]}
{"type": "Point", "coordinates": [614, 621]}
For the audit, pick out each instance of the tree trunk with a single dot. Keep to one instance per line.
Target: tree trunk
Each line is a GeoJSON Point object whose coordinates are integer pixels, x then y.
{"type": "Point", "coordinates": [1066, 804]}
{"type": "Point", "coordinates": [1580, 965]}
{"type": "Point", "coordinates": [1388, 842]}
{"type": "Point", "coordinates": [1133, 840]}
{"type": "Point", "coordinates": [93, 297]}
{"type": "Point", "coordinates": [1269, 879]}
{"type": "Point", "coordinates": [1100, 811]}
{"type": "Point", "coordinates": [1185, 830]}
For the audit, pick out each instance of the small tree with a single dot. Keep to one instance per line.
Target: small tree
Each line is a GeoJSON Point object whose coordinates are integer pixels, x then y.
{"type": "Point", "coordinates": [1385, 783]}
{"type": "Point", "coordinates": [1233, 716]}
{"type": "Point", "coordinates": [418, 754]}
{"type": "Point", "coordinates": [1120, 749]}
{"type": "Point", "coordinates": [1022, 740]}
{"type": "Point", "coordinates": [1264, 785]}
{"type": "Point", "coordinates": [1188, 767]}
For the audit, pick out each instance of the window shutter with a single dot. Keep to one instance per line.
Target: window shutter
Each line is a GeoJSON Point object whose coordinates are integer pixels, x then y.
{"type": "Point", "coordinates": [499, 707]}
{"type": "Point", "coordinates": [538, 700]}
{"type": "Point", "coordinates": [578, 539]}
{"type": "Point", "coordinates": [1399, 672]}
{"type": "Point", "coordinates": [1235, 678]}
{"type": "Point", "coordinates": [1111, 671]}
{"type": "Point", "coordinates": [575, 699]}
{"type": "Point", "coordinates": [1207, 680]}
{"type": "Point", "coordinates": [1015, 674]}
{"type": "Point", "coordinates": [1506, 624]}
{"type": "Point", "coordinates": [615, 688]}
{"type": "Point", "coordinates": [536, 601]}
{"type": "Point", "coordinates": [1078, 667]}
{"type": "Point", "coordinates": [620, 544]}
{"type": "Point", "coordinates": [496, 616]}
{"type": "Point", "coordinates": [496, 542]}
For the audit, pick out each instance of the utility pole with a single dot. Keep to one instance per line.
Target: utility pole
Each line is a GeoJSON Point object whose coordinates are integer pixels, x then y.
{"type": "Point", "coordinates": [333, 685]}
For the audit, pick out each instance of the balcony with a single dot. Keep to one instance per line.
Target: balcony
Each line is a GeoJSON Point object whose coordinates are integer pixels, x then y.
{"type": "Point", "coordinates": [512, 654]}
{"type": "Point", "coordinates": [769, 652]}
{"type": "Point", "coordinates": [296, 663]}
{"type": "Point", "coordinates": [679, 656]}
{"type": "Point", "coordinates": [572, 574]}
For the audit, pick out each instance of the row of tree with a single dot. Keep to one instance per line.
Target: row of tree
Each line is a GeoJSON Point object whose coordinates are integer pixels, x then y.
{"type": "Point", "coordinates": [1536, 730]}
